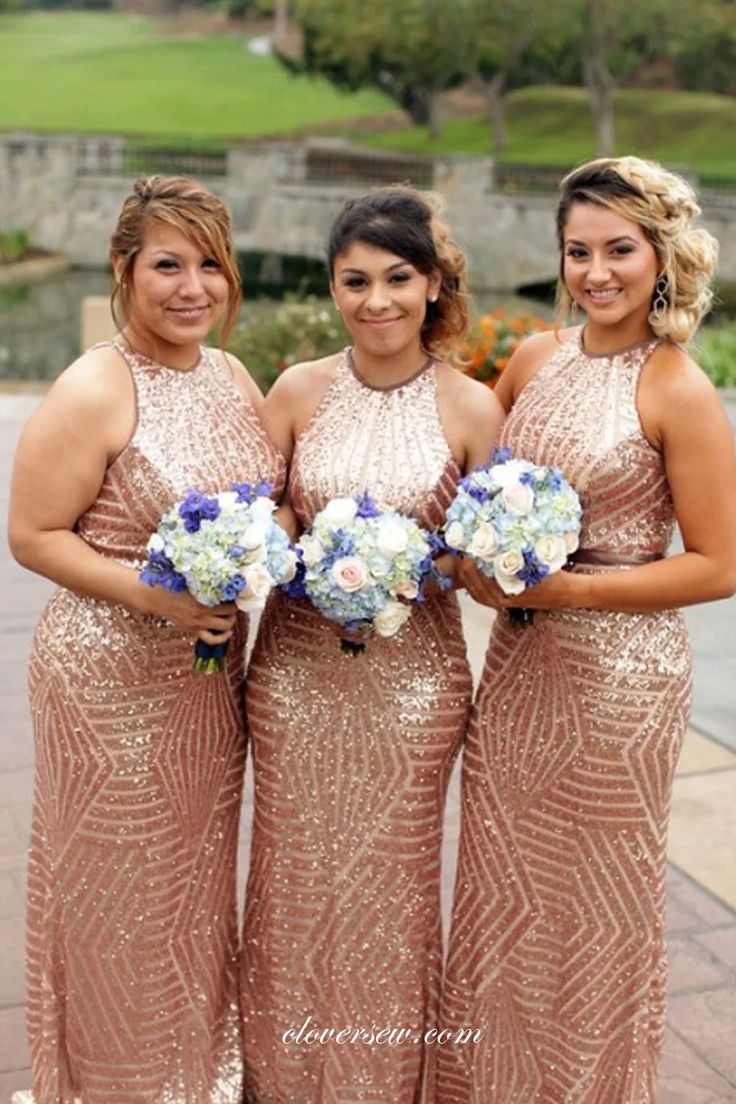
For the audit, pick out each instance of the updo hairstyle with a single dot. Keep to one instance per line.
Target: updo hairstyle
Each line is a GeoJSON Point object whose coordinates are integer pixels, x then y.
{"type": "Point", "coordinates": [407, 223]}
{"type": "Point", "coordinates": [189, 207]}
{"type": "Point", "coordinates": [664, 205]}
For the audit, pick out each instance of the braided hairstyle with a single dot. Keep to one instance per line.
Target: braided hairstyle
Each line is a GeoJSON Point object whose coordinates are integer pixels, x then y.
{"type": "Point", "coordinates": [187, 206]}
{"type": "Point", "coordinates": [664, 205]}
{"type": "Point", "coordinates": [407, 223]}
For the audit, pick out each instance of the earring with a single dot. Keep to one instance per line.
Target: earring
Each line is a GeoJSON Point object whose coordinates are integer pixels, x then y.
{"type": "Point", "coordinates": [432, 299]}
{"type": "Point", "coordinates": [660, 302]}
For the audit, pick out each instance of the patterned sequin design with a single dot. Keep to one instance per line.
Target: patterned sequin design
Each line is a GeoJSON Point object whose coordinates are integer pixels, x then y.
{"type": "Point", "coordinates": [132, 928]}
{"type": "Point", "coordinates": [557, 949]}
{"type": "Point", "coordinates": [352, 757]}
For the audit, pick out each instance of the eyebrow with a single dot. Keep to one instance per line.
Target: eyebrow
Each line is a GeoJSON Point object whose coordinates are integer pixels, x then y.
{"type": "Point", "coordinates": [362, 272]}
{"type": "Point", "coordinates": [611, 241]}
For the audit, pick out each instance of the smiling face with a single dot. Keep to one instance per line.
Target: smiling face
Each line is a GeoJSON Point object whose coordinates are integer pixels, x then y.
{"type": "Point", "coordinates": [610, 269]}
{"type": "Point", "coordinates": [383, 302]}
{"type": "Point", "coordinates": [176, 294]}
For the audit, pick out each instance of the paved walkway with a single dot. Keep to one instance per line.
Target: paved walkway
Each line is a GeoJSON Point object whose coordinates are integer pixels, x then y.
{"type": "Point", "coordinates": [699, 1065]}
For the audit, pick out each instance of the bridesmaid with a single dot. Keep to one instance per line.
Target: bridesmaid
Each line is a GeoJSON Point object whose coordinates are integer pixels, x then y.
{"type": "Point", "coordinates": [558, 940]}
{"type": "Point", "coordinates": [132, 928]}
{"type": "Point", "coordinates": [352, 754]}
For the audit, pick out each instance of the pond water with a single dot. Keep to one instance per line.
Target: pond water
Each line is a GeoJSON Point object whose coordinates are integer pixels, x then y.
{"type": "Point", "coordinates": [40, 323]}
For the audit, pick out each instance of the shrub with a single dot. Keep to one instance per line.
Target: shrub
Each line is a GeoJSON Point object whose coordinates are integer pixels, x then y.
{"type": "Point", "coordinates": [275, 336]}
{"type": "Point", "coordinates": [492, 341]}
{"type": "Point", "coordinates": [13, 244]}
{"type": "Point", "coordinates": [715, 351]}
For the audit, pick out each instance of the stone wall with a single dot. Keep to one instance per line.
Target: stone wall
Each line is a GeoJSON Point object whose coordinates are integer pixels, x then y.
{"type": "Point", "coordinates": [67, 191]}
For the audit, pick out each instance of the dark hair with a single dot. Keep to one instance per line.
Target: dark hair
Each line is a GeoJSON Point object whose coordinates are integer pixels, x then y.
{"type": "Point", "coordinates": [407, 223]}
{"type": "Point", "coordinates": [187, 206]}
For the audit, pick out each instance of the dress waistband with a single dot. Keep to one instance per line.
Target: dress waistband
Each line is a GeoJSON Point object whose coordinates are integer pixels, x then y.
{"type": "Point", "coordinates": [612, 559]}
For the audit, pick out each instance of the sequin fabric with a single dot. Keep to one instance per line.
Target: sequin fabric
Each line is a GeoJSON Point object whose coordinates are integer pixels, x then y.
{"type": "Point", "coordinates": [132, 927]}
{"type": "Point", "coordinates": [557, 948]}
{"type": "Point", "coordinates": [352, 756]}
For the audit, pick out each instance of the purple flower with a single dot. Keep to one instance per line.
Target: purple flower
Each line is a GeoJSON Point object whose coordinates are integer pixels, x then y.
{"type": "Point", "coordinates": [197, 508]}
{"type": "Point", "coordinates": [232, 588]}
{"type": "Point", "coordinates": [248, 492]}
{"type": "Point", "coordinates": [501, 454]}
{"type": "Point", "coordinates": [533, 571]}
{"type": "Point", "coordinates": [366, 506]}
{"type": "Point", "coordinates": [159, 571]}
{"type": "Point", "coordinates": [297, 588]}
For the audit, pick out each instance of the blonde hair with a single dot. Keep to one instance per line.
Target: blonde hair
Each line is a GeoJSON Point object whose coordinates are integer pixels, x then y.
{"type": "Point", "coordinates": [189, 207]}
{"type": "Point", "coordinates": [664, 205]}
{"type": "Point", "coordinates": [408, 223]}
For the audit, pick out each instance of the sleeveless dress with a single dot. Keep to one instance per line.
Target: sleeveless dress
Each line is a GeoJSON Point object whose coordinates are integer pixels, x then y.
{"type": "Point", "coordinates": [352, 757]}
{"type": "Point", "coordinates": [557, 949]}
{"type": "Point", "coordinates": [132, 924]}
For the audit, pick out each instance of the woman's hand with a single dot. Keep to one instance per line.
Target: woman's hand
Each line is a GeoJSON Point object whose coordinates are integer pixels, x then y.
{"type": "Point", "coordinates": [563, 590]}
{"type": "Point", "coordinates": [212, 624]}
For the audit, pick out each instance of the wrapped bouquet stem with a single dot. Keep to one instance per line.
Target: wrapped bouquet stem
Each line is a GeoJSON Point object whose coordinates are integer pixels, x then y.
{"type": "Point", "coordinates": [224, 547]}
{"type": "Point", "coordinates": [518, 521]}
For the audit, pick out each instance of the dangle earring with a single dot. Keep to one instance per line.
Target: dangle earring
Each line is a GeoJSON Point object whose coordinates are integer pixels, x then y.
{"type": "Point", "coordinates": [660, 302]}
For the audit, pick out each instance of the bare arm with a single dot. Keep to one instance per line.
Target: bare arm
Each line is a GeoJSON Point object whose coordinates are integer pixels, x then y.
{"type": "Point", "coordinates": [83, 423]}
{"type": "Point", "coordinates": [682, 414]}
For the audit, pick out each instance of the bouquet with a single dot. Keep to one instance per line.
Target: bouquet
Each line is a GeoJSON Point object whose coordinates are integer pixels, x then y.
{"type": "Point", "coordinates": [224, 547]}
{"type": "Point", "coordinates": [362, 567]}
{"type": "Point", "coordinates": [518, 521]}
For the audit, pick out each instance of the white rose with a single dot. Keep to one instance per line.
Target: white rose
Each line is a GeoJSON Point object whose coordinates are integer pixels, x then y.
{"type": "Point", "coordinates": [484, 544]}
{"type": "Point", "coordinates": [312, 550]}
{"type": "Point", "coordinates": [350, 573]}
{"type": "Point", "coordinates": [504, 475]}
{"type": "Point", "coordinates": [572, 543]}
{"type": "Point", "coordinates": [156, 543]}
{"type": "Point", "coordinates": [518, 497]}
{"type": "Point", "coordinates": [389, 620]}
{"type": "Point", "coordinates": [509, 584]}
{"type": "Point", "coordinates": [340, 511]}
{"type": "Point", "coordinates": [391, 537]}
{"type": "Point", "coordinates": [508, 563]}
{"type": "Point", "coordinates": [455, 535]}
{"type": "Point", "coordinates": [258, 583]}
{"type": "Point", "coordinates": [407, 589]}
{"type": "Point", "coordinates": [227, 499]}
{"type": "Point", "coordinates": [254, 536]}
{"type": "Point", "coordinates": [551, 550]}
{"type": "Point", "coordinates": [262, 509]}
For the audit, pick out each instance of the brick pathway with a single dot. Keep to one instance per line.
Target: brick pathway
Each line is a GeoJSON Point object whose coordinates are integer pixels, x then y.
{"type": "Point", "coordinates": [699, 1065]}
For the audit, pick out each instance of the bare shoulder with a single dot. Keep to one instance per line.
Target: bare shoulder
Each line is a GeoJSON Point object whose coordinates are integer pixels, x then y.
{"type": "Point", "coordinates": [469, 396]}
{"type": "Point", "coordinates": [98, 381]}
{"type": "Point", "coordinates": [531, 355]}
{"type": "Point", "coordinates": [240, 376]}
{"type": "Point", "coordinates": [301, 382]}
{"type": "Point", "coordinates": [672, 375]}
{"type": "Point", "coordinates": [675, 393]}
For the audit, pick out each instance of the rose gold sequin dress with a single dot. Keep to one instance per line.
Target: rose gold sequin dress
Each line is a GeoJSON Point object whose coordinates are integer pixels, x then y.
{"type": "Point", "coordinates": [557, 949]}
{"type": "Point", "coordinates": [352, 756]}
{"type": "Point", "coordinates": [132, 929]}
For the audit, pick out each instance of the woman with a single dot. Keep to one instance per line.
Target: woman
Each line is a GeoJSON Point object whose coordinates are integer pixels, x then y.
{"type": "Point", "coordinates": [352, 754]}
{"type": "Point", "coordinates": [132, 930]}
{"type": "Point", "coordinates": [558, 943]}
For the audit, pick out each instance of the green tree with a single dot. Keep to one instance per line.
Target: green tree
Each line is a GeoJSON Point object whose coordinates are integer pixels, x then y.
{"type": "Point", "coordinates": [613, 40]}
{"type": "Point", "coordinates": [704, 49]}
{"type": "Point", "coordinates": [508, 44]}
{"type": "Point", "coordinates": [412, 49]}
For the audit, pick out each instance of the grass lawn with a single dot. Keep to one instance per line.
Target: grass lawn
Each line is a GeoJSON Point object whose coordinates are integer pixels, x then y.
{"type": "Point", "coordinates": [118, 73]}
{"type": "Point", "coordinates": [552, 126]}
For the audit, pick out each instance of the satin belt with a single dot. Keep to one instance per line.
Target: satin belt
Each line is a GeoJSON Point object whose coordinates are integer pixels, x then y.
{"type": "Point", "coordinates": [612, 559]}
